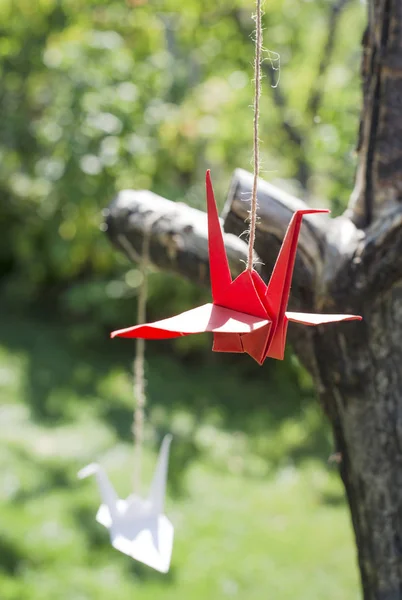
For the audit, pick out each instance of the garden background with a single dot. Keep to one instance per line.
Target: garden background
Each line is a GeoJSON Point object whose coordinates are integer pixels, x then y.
{"type": "Point", "coordinates": [100, 96]}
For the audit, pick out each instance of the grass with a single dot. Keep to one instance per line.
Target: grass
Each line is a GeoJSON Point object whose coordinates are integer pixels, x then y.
{"type": "Point", "coordinates": [258, 513]}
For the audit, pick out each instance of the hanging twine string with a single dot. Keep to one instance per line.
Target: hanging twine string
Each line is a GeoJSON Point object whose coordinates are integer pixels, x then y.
{"type": "Point", "coordinates": [139, 360]}
{"type": "Point", "coordinates": [139, 368]}
{"type": "Point", "coordinates": [256, 149]}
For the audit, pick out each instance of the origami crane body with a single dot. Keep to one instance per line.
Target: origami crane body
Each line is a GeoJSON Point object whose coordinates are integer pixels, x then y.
{"type": "Point", "coordinates": [245, 315]}
{"type": "Point", "coordinates": [137, 526]}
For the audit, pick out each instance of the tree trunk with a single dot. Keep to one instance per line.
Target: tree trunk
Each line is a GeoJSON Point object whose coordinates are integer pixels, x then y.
{"type": "Point", "coordinates": [349, 264]}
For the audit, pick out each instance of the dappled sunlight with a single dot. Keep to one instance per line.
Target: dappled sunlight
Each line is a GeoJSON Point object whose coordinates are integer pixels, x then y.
{"type": "Point", "coordinates": [248, 481]}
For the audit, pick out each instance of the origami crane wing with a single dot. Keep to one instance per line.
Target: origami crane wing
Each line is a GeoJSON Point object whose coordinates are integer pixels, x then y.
{"type": "Point", "coordinates": [158, 486]}
{"type": "Point", "coordinates": [208, 317]}
{"type": "Point", "coordinates": [150, 543]}
{"type": "Point", "coordinates": [313, 319]}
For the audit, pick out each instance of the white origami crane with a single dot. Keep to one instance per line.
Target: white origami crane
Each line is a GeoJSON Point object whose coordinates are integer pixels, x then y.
{"type": "Point", "coordinates": [138, 526]}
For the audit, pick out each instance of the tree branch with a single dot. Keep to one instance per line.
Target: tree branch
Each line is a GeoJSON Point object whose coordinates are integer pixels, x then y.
{"type": "Point", "coordinates": [179, 237]}
{"type": "Point", "coordinates": [376, 263]}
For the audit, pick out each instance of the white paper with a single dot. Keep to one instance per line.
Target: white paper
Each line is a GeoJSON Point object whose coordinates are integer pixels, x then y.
{"type": "Point", "coordinates": [138, 526]}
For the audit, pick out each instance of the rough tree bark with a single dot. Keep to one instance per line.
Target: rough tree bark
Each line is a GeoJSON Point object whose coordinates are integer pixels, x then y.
{"type": "Point", "coordinates": [349, 264]}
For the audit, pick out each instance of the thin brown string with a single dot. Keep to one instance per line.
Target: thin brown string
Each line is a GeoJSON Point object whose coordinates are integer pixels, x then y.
{"type": "Point", "coordinates": [139, 360]}
{"type": "Point", "coordinates": [256, 149]}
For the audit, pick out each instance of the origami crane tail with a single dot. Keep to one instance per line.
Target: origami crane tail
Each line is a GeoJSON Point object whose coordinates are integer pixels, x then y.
{"type": "Point", "coordinates": [108, 495]}
{"type": "Point", "coordinates": [276, 347]}
{"type": "Point", "coordinates": [218, 261]}
{"type": "Point", "coordinates": [278, 288]}
{"type": "Point", "coordinates": [227, 342]}
{"type": "Point", "coordinates": [158, 486]}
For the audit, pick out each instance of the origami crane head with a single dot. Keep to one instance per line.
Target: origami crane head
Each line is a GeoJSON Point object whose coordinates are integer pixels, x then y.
{"type": "Point", "coordinates": [245, 315]}
{"type": "Point", "coordinates": [137, 526]}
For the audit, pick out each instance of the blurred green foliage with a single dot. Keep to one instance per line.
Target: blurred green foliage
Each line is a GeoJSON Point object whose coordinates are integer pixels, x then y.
{"type": "Point", "coordinates": [255, 506]}
{"type": "Point", "coordinates": [102, 95]}
{"type": "Point", "coordinates": [97, 96]}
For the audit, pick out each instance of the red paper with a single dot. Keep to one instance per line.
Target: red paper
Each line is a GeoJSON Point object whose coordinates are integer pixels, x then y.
{"type": "Point", "coordinates": [246, 315]}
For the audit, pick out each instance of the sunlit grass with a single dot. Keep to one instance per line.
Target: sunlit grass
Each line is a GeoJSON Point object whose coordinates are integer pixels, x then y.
{"type": "Point", "coordinates": [258, 512]}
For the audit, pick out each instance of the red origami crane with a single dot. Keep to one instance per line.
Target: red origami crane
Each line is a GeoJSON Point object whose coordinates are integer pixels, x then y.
{"type": "Point", "coordinates": [246, 315]}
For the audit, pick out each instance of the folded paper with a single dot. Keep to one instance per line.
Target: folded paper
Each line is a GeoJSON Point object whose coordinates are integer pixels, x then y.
{"type": "Point", "coordinates": [245, 315]}
{"type": "Point", "coordinates": [138, 527]}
